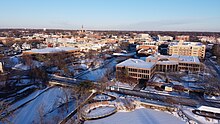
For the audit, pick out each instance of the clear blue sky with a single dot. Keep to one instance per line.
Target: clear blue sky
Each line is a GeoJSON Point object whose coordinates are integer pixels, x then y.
{"type": "Point", "coordinates": [180, 15]}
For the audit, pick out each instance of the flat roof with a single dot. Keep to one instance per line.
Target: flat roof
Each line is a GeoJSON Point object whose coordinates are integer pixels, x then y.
{"type": "Point", "coordinates": [185, 59]}
{"type": "Point", "coordinates": [209, 109]}
{"type": "Point", "coordinates": [187, 44]}
{"type": "Point", "coordinates": [136, 63]}
{"type": "Point", "coordinates": [194, 59]}
{"type": "Point", "coordinates": [52, 50]}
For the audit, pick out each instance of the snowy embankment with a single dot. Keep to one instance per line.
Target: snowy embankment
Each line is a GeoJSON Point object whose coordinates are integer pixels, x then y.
{"type": "Point", "coordinates": [97, 74]}
{"type": "Point", "coordinates": [139, 116]}
{"type": "Point", "coordinates": [38, 107]}
{"type": "Point", "coordinates": [25, 100]}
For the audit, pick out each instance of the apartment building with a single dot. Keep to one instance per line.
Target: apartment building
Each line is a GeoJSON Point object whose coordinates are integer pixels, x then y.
{"type": "Point", "coordinates": [187, 49]}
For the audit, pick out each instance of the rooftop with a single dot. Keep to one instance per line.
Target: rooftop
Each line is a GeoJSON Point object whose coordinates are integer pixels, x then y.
{"type": "Point", "coordinates": [53, 50]}
{"type": "Point", "coordinates": [187, 58]}
{"type": "Point", "coordinates": [174, 59]}
{"type": "Point", "coordinates": [186, 44]}
{"type": "Point", "coordinates": [136, 63]}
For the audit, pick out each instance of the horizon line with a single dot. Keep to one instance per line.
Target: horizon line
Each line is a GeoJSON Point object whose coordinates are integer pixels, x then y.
{"type": "Point", "coordinates": [109, 30]}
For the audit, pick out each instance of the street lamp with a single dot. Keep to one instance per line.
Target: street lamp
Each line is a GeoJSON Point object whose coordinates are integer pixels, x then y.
{"type": "Point", "coordinates": [93, 90]}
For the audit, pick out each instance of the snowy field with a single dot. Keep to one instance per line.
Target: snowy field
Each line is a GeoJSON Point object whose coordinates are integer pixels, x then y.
{"type": "Point", "coordinates": [139, 116]}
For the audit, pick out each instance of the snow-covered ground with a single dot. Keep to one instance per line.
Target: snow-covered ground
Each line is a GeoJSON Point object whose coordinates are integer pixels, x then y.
{"type": "Point", "coordinates": [94, 75]}
{"type": "Point", "coordinates": [23, 82]}
{"type": "Point", "coordinates": [139, 116]}
{"type": "Point", "coordinates": [31, 96]}
{"type": "Point", "coordinates": [189, 78]}
{"type": "Point", "coordinates": [124, 85]}
{"type": "Point", "coordinates": [43, 104]}
{"type": "Point", "coordinates": [97, 74]}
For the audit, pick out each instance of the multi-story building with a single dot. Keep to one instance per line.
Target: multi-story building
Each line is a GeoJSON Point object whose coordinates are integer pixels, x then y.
{"type": "Point", "coordinates": [1, 67]}
{"type": "Point", "coordinates": [187, 49]}
{"type": "Point", "coordinates": [143, 37]}
{"type": "Point", "coordinates": [144, 42]}
{"type": "Point", "coordinates": [147, 49]}
{"type": "Point", "coordinates": [175, 63]}
{"type": "Point", "coordinates": [210, 39]}
{"type": "Point", "coordinates": [140, 69]}
{"type": "Point", "coordinates": [165, 38]}
{"type": "Point", "coordinates": [135, 68]}
{"type": "Point", "coordinates": [218, 40]}
{"type": "Point", "coordinates": [68, 50]}
{"type": "Point", "coordinates": [182, 37]}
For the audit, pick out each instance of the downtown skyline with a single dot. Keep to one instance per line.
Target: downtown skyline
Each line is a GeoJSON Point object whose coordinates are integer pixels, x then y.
{"type": "Point", "coordinates": [149, 15]}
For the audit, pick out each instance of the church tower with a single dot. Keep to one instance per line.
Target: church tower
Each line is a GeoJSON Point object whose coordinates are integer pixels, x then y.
{"type": "Point", "coordinates": [82, 29]}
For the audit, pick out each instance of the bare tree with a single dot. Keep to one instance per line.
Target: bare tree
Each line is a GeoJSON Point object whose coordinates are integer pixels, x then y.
{"type": "Point", "coordinates": [4, 111]}
{"type": "Point", "coordinates": [41, 114]}
{"type": "Point", "coordinates": [80, 93]}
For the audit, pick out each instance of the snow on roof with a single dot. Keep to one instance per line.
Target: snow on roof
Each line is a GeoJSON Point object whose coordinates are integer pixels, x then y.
{"type": "Point", "coordinates": [53, 50]}
{"type": "Point", "coordinates": [187, 58]}
{"type": "Point", "coordinates": [187, 44]}
{"type": "Point", "coordinates": [124, 54]}
{"type": "Point", "coordinates": [21, 67]}
{"type": "Point", "coordinates": [209, 109]}
{"type": "Point", "coordinates": [136, 63]}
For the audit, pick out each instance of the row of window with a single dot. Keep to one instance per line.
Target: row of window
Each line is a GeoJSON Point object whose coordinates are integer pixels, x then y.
{"type": "Point", "coordinates": [191, 69]}
{"type": "Point", "coordinates": [139, 75]}
{"type": "Point", "coordinates": [189, 65]}
{"type": "Point", "coordinates": [138, 70]}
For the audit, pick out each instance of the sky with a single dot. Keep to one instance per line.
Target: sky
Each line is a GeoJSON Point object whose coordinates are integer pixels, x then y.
{"type": "Point", "coordinates": [148, 15]}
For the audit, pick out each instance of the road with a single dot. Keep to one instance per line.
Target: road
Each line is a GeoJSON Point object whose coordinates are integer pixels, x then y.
{"type": "Point", "coordinates": [212, 66]}
{"type": "Point", "coordinates": [166, 98]}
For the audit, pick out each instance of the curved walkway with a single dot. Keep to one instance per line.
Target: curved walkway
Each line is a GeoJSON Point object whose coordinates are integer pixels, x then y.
{"type": "Point", "coordinates": [98, 110]}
